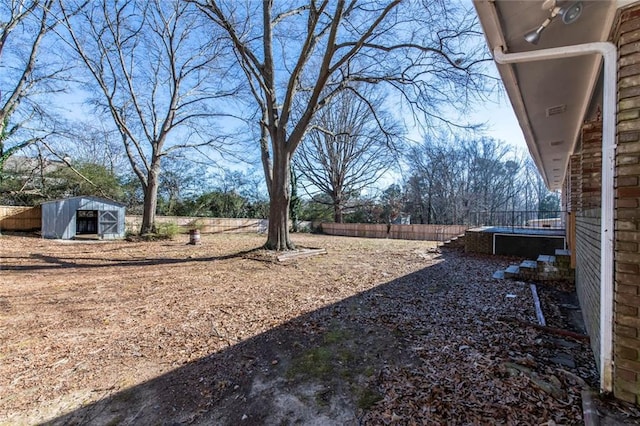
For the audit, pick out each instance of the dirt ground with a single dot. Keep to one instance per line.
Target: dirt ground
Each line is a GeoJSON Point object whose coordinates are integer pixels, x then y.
{"type": "Point", "coordinates": [373, 332]}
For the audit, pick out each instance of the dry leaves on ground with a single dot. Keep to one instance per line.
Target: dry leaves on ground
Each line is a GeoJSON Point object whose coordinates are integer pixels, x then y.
{"type": "Point", "coordinates": [373, 332]}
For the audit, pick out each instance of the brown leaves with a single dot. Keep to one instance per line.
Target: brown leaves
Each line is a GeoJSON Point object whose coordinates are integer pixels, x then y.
{"type": "Point", "coordinates": [420, 336]}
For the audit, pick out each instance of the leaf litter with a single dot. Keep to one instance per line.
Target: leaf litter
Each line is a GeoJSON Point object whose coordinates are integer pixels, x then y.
{"type": "Point", "coordinates": [373, 332]}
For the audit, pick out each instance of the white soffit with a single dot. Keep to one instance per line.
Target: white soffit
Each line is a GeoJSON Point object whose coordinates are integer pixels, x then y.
{"type": "Point", "coordinates": [550, 98]}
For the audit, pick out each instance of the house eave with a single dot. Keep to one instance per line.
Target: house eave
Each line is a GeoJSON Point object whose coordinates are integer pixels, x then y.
{"type": "Point", "coordinates": [534, 88]}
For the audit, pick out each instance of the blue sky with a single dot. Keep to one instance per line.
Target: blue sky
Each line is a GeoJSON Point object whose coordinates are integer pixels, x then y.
{"type": "Point", "coordinates": [501, 123]}
{"type": "Point", "coordinates": [497, 114]}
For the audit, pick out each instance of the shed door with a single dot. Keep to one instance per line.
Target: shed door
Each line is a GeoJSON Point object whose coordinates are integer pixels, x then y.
{"type": "Point", "coordinates": [108, 222]}
{"type": "Point", "coordinates": [86, 221]}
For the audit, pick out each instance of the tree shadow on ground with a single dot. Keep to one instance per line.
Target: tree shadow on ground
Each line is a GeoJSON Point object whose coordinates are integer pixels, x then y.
{"type": "Point", "coordinates": [328, 366]}
{"type": "Point", "coordinates": [320, 368]}
{"type": "Point", "coordinates": [57, 262]}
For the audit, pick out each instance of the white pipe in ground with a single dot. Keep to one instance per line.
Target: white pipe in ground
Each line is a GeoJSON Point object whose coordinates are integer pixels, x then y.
{"type": "Point", "coordinates": [536, 302]}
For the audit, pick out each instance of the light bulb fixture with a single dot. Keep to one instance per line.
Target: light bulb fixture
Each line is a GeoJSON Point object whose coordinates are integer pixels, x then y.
{"type": "Point", "coordinates": [533, 37]}
{"type": "Point", "coordinates": [569, 15]}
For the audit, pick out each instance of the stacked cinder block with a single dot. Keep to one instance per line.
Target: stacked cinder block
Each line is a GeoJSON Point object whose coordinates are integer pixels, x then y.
{"type": "Point", "coordinates": [545, 268]}
{"type": "Point", "coordinates": [627, 210]}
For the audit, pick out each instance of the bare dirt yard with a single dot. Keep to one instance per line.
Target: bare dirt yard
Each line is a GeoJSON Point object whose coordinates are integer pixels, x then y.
{"type": "Point", "coordinates": [373, 332]}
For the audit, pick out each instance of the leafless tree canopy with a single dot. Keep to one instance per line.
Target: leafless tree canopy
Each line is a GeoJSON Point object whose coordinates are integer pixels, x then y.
{"type": "Point", "coordinates": [161, 73]}
{"type": "Point", "coordinates": [297, 56]}
{"type": "Point", "coordinates": [27, 73]}
{"type": "Point", "coordinates": [349, 146]}
{"type": "Point", "coordinates": [450, 179]}
{"type": "Point", "coordinates": [156, 72]}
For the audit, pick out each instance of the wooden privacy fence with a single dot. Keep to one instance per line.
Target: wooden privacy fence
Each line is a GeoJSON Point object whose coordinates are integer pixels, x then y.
{"type": "Point", "coordinates": [30, 219]}
{"type": "Point", "coordinates": [209, 225]}
{"type": "Point", "coordinates": [399, 232]}
{"type": "Point", "coordinates": [14, 218]}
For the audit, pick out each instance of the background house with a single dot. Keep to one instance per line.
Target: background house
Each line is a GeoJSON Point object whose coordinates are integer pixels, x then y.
{"type": "Point", "coordinates": [572, 73]}
{"type": "Point", "coordinates": [83, 216]}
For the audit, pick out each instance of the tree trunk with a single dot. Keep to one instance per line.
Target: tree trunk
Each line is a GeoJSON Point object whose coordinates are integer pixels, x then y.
{"type": "Point", "coordinates": [278, 237]}
{"type": "Point", "coordinates": [337, 212]}
{"type": "Point", "coordinates": [150, 200]}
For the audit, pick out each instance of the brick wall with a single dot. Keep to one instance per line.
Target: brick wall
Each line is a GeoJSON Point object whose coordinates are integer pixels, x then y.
{"type": "Point", "coordinates": [585, 182]}
{"type": "Point", "coordinates": [587, 252]}
{"type": "Point", "coordinates": [476, 241]}
{"type": "Point", "coordinates": [591, 165]}
{"type": "Point", "coordinates": [626, 342]}
{"type": "Point", "coordinates": [575, 182]}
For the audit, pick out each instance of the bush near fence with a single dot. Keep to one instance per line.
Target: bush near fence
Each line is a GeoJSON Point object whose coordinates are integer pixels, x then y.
{"type": "Point", "coordinates": [13, 218]}
{"type": "Point", "coordinates": [400, 232]}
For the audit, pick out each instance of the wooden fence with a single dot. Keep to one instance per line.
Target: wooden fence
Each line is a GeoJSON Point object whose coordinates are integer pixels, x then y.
{"type": "Point", "coordinates": [208, 225]}
{"type": "Point", "coordinates": [400, 232]}
{"type": "Point", "coordinates": [29, 219]}
{"type": "Point", "coordinates": [14, 218]}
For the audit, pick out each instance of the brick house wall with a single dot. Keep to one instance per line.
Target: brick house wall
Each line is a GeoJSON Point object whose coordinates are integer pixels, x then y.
{"type": "Point", "coordinates": [588, 274]}
{"type": "Point", "coordinates": [575, 183]}
{"type": "Point", "coordinates": [626, 341]}
{"type": "Point", "coordinates": [575, 202]}
{"type": "Point", "coordinates": [585, 181]}
{"type": "Point", "coordinates": [591, 166]}
{"type": "Point", "coordinates": [584, 200]}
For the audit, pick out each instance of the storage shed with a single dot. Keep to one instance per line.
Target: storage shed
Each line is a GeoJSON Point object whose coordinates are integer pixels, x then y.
{"type": "Point", "coordinates": [83, 216]}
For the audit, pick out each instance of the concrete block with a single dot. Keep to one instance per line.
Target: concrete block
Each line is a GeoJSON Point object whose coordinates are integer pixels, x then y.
{"type": "Point", "coordinates": [512, 271]}
{"type": "Point", "coordinates": [528, 264]}
{"type": "Point", "coordinates": [498, 275]}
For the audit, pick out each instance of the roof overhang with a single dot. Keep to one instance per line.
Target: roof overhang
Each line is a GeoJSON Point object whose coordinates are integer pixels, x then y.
{"type": "Point", "coordinates": [551, 98]}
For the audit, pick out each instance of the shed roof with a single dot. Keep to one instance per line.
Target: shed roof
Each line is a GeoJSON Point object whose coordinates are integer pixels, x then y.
{"type": "Point", "coordinates": [88, 197]}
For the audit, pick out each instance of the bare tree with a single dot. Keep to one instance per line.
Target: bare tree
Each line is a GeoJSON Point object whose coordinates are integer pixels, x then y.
{"type": "Point", "coordinates": [96, 143]}
{"type": "Point", "coordinates": [438, 184]}
{"type": "Point", "coordinates": [156, 71]}
{"type": "Point", "coordinates": [25, 179]}
{"type": "Point", "coordinates": [298, 55]}
{"type": "Point", "coordinates": [533, 187]}
{"type": "Point", "coordinates": [347, 149]}
{"type": "Point", "coordinates": [493, 169]}
{"type": "Point", "coordinates": [452, 178]}
{"type": "Point", "coordinates": [24, 74]}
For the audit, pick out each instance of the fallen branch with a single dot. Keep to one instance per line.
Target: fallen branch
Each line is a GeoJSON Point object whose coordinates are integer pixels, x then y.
{"type": "Point", "coordinates": [300, 254]}
{"type": "Point", "coordinates": [545, 328]}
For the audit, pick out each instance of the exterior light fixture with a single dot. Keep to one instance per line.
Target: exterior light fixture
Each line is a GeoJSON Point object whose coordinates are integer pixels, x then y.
{"type": "Point", "coordinates": [569, 14]}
